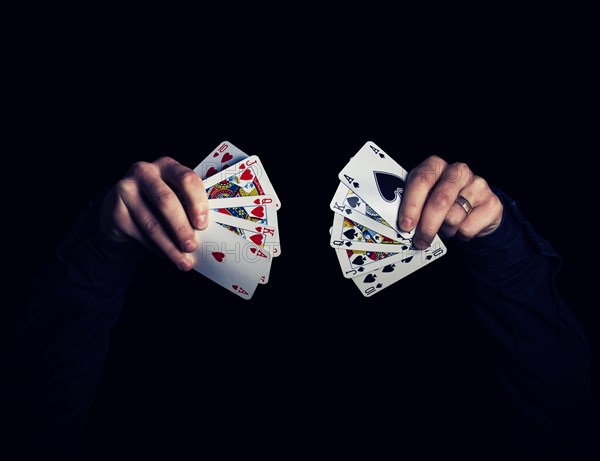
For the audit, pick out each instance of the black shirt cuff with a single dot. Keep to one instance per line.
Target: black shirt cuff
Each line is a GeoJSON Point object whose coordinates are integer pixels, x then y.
{"type": "Point", "coordinates": [510, 243]}
{"type": "Point", "coordinates": [106, 260]}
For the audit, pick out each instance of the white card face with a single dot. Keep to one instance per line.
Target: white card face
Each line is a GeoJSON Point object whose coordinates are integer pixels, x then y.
{"type": "Point", "coordinates": [262, 234]}
{"type": "Point", "coordinates": [259, 208]}
{"type": "Point", "coordinates": [348, 234]}
{"type": "Point", "coordinates": [377, 280]}
{"type": "Point", "coordinates": [377, 179]}
{"type": "Point", "coordinates": [229, 260]}
{"type": "Point", "coordinates": [264, 279]}
{"type": "Point", "coordinates": [225, 155]}
{"type": "Point", "coordinates": [348, 204]}
{"type": "Point", "coordinates": [358, 262]}
{"type": "Point", "coordinates": [244, 179]}
{"type": "Point", "coordinates": [256, 209]}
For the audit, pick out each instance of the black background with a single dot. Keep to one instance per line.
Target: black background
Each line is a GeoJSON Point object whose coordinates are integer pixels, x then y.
{"type": "Point", "coordinates": [308, 362]}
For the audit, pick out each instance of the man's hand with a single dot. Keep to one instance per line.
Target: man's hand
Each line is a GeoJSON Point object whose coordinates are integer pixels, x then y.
{"type": "Point", "coordinates": [145, 206]}
{"type": "Point", "coordinates": [429, 203]}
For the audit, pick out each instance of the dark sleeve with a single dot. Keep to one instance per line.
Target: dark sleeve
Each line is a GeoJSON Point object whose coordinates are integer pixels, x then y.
{"type": "Point", "coordinates": [63, 331]}
{"type": "Point", "coordinates": [539, 349]}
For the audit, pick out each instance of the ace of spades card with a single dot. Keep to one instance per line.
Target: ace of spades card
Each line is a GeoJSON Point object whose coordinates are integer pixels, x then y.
{"type": "Point", "coordinates": [369, 245]}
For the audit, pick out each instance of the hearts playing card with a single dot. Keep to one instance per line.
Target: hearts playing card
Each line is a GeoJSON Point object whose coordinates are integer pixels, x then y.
{"type": "Point", "coordinates": [230, 260]}
{"type": "Point", "coordinates": [244, 179]}
{"type": "Point", "coordinates": [225, 155]}
{"type": "Point", "coordinates": [262, 234]}
{"type": "Point", "coordinates": [236, 249]}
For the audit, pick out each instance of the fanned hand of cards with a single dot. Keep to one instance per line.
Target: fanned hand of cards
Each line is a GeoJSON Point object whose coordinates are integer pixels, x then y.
{"type": "Point", "coordinates": [242, 237]}
{"type": "Point", "coordinates": [370, 248]}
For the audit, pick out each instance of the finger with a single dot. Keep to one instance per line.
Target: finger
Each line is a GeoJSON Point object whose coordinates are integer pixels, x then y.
{"type": "Point", "coordinates": [419, 183]}
{"type": "Point", "coordinates": [453, 179]}
{"type": "Point", "coordinates": [483, 220]}
{"type": "Point", "coordinates": [147, 227]}
{"type": "Point", "coordinates": [192, 189]}
{"type": "Point", "coordinates": [169, 209]}
{"type": "Point", "coordinates": [475, 192]}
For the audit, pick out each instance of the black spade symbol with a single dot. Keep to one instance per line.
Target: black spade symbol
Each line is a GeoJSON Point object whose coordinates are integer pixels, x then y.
{"type": "Point", "coordinates": [350, 233]}
{"type": "Point", "coordinates": [389, 268]}
{"type": "Point", "coordinates": [355, 184]}
{"type": "Point", "coordinates": [377, 237]}
{"type": "Point", "coordinates": [404, 247]}
{"type": "Point", "coordinates": [348, 244]}
{"type": "Point", "coordinates": [359, 260]}
{"type": "Point", "coordinates": [370, 278]}
{"type": "Point", "coordinates": [353, 201]}
{"type": "Point", "coordinates": [390, 186]}
{"type": "Point", "coordinates": [361, 269]}
{"type": "Point", "coordinates": [348, 211]}
{"type": "Point", "coordinates": [379, 285]}
{"type": "Point", "coordinates": [407, 260]}
{"type": "Point", "coordinates": [429, 257]}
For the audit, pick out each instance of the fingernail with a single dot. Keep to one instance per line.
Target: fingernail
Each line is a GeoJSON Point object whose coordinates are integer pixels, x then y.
{"type": "Point", "coordinates": [405, 224]}
{"type": "Point", "coordinates": [185, 264]}
{"type": "Point", "coordinates": [420, 243]}
{"type": "Point", "coordinates": [202, 221]}
{"type": "Point", "coordinates": [189, 246]}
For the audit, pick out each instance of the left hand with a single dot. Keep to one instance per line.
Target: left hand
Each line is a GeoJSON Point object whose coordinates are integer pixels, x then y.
{"type": "Point", "coordinates": [429, 203]}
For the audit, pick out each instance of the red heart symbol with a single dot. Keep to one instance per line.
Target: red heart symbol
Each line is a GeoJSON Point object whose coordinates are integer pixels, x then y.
{"type": "Point", "coordinates": [226, 157]}
{"type": "Point", "coordinates": [246, 175]}
{"type": "Point", "coordinates": [257, 201]}
{"type": "Point", "coordinates": [239, 289]}
{"type": "Point", "coordinates": [257, 238]}
{"type": "Point", "coordinates": [218, 256]}
{"type": "Point", "coordinates": [242, 166]}
{"type": "Point", "coordinates": [253, 250]}
{"type": "Point", "coordinates": [212, 170]}
{"type": "Point", "coordinates": [258, 211]}
{"type": "Point", "coordinates": [258, 229]}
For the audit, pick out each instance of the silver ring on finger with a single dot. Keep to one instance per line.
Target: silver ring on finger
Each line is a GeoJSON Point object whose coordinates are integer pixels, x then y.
{"type": "Point", "coordinates": [464, 203]}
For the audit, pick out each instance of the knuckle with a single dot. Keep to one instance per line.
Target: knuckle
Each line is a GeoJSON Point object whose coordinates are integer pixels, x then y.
{"type": "Point", "coordinates": [165, 160]}
{"type": "Point", "coordinates": [480, 183]}
{"type": "Point", "coordinates": [496, 205]}
{"type": "Point", "coordinates": [184, 232]}
{"type": "Point", "coordinates": [466, 232]}
{"type": "Point", "coordinates": [188, 178]}
{"type": "Point", "coordinates": [458, 171]}
{"type": "Point", "coordinates": [140, 169]}
{"type": "Point", "coordinates": [452, 220]}
{"type": "Point", "coordinates": [441, 200]}
{"type": "Point", "coordinates": [428, 231]}
{"type": "Point", "coordinates": [151, 226]}
{"type": "Point", "coordinates": [434, 159]}
{"type": "Point", "coordinates": [462, 166]}
{"type": "Point", "coordinates": [125, 186]}
{"type": "Point", "coordinates": [164, 199]}
{"type": "Point", "coordinates": [410, 210]}
{"type": "Point", "coordinates": [429, 171]}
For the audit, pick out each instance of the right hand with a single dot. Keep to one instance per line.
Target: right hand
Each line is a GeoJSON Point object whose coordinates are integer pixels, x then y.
{"type": "Point", "coordinates": [145, 206]}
